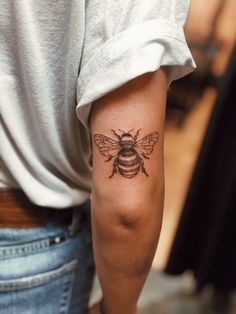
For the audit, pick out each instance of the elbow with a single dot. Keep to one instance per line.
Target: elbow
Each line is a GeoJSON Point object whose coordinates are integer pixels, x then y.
{"type": "Point", "coordinates": [132, 215]}
{"type": "Point", "coordinates": [129, 212]}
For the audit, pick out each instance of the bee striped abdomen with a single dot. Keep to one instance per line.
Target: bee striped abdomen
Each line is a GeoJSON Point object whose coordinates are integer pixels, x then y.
{"type": "Point", "coordinates": [128, 163]}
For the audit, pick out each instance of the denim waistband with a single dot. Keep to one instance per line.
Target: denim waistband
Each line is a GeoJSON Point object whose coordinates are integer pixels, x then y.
{"type": "Point", "coordinates": [56, 225]}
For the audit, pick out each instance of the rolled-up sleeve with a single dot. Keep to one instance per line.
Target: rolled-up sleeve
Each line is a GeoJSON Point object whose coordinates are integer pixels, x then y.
{"type": "Point", "coordinates": [125, 39]}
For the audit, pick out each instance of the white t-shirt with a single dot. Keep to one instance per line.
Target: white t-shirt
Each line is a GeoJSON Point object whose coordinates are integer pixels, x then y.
{"type": "Point", "coordinates": [56, 58]}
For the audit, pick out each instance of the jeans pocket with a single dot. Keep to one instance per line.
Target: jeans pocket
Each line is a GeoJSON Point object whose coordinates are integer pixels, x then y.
{"type": "Point", "coordinates": [47, 292]}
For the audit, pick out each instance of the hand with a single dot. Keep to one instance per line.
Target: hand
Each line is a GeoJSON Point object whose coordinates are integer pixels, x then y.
{"type": "Point", "coordinates": [95, 309]}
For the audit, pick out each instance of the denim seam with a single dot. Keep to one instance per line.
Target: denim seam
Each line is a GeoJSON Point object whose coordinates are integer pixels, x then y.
{"type": "Point", "coordinates": [34, 247]}
{"type": "Point", "coordinates": [36, 280]}
{"type": "Point", "coordinates": [24, 249]}
{"type": "Point", "coordinates": [66, 295]}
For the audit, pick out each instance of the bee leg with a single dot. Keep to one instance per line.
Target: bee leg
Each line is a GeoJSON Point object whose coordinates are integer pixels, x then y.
{"type": "Point", "coordinates": [109, 158]}
{"type": "Point", "coordinates": [142, 167]}
{"type": "Point", "coordinates": [145, 156]}
{"type": "Point", "coordinates": [114, 169]}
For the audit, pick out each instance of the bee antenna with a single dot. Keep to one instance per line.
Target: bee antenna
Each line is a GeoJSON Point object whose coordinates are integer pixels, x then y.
{"type": "Point", "coordinates": [136, 135]}
{"type": "Point", "coordinates": [130, 130]}
{"type": "Point", "coordinates": [116, 134]}
{"type": "Point", "coordinates": [122, 131]}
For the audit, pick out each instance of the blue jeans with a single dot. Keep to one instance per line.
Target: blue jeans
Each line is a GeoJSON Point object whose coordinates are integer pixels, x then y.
{"type": "Point", "coordinates": [47, 270]}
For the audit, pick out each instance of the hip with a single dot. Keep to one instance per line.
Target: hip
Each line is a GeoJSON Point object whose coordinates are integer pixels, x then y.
{"type": "Point", "coordinates": [48, 269]}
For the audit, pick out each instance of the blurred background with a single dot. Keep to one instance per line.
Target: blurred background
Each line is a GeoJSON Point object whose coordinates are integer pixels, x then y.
{"type": "Point", "coordinates": [194, 270]}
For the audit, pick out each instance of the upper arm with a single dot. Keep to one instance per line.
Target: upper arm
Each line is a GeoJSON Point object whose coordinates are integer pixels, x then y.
{"type": "Point", "coordinates": [138, 105]}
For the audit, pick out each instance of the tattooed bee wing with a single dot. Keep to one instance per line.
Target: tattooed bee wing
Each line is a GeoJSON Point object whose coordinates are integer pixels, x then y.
{"type": "Point", "coordinates": [146, 144]}
{"type": "Point", "coordinates": [107, 146]}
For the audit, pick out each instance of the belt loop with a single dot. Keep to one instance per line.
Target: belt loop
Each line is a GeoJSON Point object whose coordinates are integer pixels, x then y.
{"type": "Point", "coordinates": [81, 214]}
{"type": "Point", "coordinates": [76, 221]}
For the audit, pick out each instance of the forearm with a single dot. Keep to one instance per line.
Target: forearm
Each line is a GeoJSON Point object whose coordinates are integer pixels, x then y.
{"type": "Point", "coordinates": [127, 205]}
{"type": "Point", "coordinates": [124, 250]}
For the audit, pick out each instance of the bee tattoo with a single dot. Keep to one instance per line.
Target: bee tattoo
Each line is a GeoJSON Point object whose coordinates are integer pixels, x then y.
{"type": "Point", "coordinates": [127, 151]}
